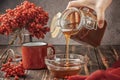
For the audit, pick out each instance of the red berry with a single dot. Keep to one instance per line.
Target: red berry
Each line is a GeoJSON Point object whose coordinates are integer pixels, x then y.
{"type": "Point", "coordinates": [3, 68]}
{"type": "Point", "coordinates": [7, 75]}
{"type": "Point", "coordinates": [10, 70]}
{"type": "Point", "coordinates": [10, 60]}
{"type": "Point", "coordinates": [4, 65]}
{"type": "Point", "coordinates": [16, 78]}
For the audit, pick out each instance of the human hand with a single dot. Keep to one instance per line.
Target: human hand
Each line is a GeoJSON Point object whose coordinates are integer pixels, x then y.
{"type": "Point", "coordinates": [98, 5]}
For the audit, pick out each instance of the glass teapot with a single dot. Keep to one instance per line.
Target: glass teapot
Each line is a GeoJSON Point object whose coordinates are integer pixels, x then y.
{"type": "Point", "coordinates": [81, 21]}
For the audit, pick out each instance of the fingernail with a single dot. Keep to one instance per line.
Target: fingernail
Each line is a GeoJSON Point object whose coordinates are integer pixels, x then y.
{"type": "Point", "coordinates": [101, 24]}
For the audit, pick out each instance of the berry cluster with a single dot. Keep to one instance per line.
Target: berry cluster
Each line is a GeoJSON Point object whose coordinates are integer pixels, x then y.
{"type": "Point", "coordinates": [27, 16]}
{"type": "Point", "coordinates": [12, 69]}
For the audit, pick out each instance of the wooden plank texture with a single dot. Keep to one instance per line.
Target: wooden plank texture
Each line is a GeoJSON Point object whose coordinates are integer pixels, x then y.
{"type": "Point", "coordinates": [37, 75]}
{"type": "Point", "coordinates": [93, 55]}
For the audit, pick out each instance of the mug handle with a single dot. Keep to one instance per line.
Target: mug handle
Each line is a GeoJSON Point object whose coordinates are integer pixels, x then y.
{"type": "Point", "coordinates": [51, 46]}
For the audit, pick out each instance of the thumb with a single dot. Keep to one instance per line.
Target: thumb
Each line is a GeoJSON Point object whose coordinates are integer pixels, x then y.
{"type": "Point", "coordinates": [100, 18]}
{"type": "Point", "coordinates": [101, 6]}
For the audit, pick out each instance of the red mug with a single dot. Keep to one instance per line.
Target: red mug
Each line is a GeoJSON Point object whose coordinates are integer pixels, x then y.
{"type": "Point", "coordinates": [34, 53]}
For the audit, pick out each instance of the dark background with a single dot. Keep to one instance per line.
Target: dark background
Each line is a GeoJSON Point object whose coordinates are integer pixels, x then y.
{"type": "Point", "coordinates": [112, 34]}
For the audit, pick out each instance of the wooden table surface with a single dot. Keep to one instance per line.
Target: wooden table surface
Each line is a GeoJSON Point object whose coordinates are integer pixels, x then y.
{"type": "Point", "coordinates": [99, 58]}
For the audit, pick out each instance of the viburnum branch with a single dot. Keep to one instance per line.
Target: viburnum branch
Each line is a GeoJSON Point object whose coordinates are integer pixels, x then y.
{"type": "Point", "coordinates": [26, 15]}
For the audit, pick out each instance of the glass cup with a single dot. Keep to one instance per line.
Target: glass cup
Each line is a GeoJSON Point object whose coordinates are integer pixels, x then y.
{"type": "Point", "coordinates": [60, 67]}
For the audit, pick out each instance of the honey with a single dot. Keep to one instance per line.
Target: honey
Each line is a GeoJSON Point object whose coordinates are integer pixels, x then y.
{"type": "Point", "coordinates": [67, 34]}
{"type": "Point", "coordinates": [71, 28]}
{"type": "Point", "coordinates": [64, 73]}
{"type": "Point", "coordinates": [64, 70]}
{"type": "Point", "coordinates": [67, 71]}
{"type": "Point", "coordinates": [79, 25]}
